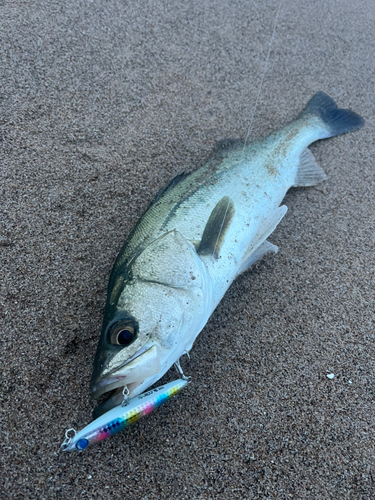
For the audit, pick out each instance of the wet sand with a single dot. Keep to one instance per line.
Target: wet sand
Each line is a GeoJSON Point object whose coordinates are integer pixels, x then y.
{"type": "Point", "coordinates": [102, 103]}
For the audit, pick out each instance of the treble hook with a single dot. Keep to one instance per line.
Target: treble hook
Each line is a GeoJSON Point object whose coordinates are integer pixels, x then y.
{"type": "Point", "coordinates": [125, 393]}
{"type": "Point", "coordinates": [179, 369]}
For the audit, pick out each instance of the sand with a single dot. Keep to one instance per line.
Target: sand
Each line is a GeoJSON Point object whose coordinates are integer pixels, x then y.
{"type": "Point", "coordinates": [102, 103]}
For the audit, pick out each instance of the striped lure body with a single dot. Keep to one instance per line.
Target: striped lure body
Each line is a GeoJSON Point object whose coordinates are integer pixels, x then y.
{"type": "Point", "coordinates": [121, 417]}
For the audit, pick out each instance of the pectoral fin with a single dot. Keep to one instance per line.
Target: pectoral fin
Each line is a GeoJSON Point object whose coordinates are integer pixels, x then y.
{"type": "Point", "coordinates": [216, 228]}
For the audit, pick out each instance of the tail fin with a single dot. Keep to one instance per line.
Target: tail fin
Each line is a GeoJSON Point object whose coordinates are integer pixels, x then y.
{"type": "Point", "coordinates": [336, 121]}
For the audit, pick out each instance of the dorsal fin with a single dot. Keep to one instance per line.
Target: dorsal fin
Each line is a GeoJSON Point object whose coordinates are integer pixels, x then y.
{"type": "Point", "coordinates": [216, 227]}
{"type": "Point", "coordinates": [171, 184]}
{"type": "Point", "coordinates": [225, 146]}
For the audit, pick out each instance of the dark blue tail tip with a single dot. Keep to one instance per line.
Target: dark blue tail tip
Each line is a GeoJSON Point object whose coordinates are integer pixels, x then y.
{"type": "Point", "coordinates": [338, 121]}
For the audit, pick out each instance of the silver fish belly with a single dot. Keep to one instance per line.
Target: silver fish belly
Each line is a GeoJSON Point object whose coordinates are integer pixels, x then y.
{"type": "Point", "coordinates": [200, 232]}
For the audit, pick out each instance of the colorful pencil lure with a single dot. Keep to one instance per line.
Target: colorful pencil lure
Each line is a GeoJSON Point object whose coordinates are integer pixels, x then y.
{"type": "Point", "coordinates": [122, 416]}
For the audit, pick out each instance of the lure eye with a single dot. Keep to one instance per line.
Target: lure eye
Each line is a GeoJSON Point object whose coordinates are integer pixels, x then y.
{"type": "Point", "coordinates": [121, 334]}
{"type": "Point", "coordinates": [81, 444]}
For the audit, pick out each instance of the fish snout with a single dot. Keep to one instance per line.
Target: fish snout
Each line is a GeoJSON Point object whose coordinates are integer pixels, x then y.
{"type": "Point", "coordinates": [130, 374]}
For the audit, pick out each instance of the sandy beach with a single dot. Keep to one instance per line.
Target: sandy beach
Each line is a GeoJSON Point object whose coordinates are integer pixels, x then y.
{"type": "Point", "coordinates": [102, 102]}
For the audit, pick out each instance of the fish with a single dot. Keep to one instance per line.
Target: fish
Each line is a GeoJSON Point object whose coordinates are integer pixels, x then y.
{"type": "Point", "coordinates": [121, 416]}
{"type": "Point", "coordinates": [202, 230]}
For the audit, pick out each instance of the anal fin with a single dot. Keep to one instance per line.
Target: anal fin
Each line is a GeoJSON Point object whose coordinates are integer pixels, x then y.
{"type": "Point", "coordinates": [267, 227]}
{"type": "Point", "coordinates": [309, 173]}
{"type": "Point", "coordinates": [259, 246]}
{"type": "Point", "coordinates": [252, 258]}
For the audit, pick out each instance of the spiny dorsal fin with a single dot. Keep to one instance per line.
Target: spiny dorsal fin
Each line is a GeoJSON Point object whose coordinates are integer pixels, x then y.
{"type": "Point", "coordinates": [226, 146]}
{"type": "Point", "coordinates": [171, 184]}
{"type": "Point", "coordinates": [216, 228]}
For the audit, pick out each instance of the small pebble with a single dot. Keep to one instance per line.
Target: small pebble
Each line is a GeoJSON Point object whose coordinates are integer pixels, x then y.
{"type": "Point", "coordinates": [330, 375]}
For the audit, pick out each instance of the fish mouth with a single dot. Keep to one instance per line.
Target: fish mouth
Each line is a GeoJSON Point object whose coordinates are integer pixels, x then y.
{"type": "Point", "coordinates": [142, 365]}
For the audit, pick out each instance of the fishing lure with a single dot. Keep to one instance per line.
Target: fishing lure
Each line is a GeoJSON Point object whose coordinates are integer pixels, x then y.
{"type": "Point", "coordinates": [122, 416]}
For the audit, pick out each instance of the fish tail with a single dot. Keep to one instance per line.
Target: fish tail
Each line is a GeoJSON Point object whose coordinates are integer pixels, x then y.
{"type": "Point", "coordinates": [335, 120]}
{"type": "Point", "coordinates": [332, 121]}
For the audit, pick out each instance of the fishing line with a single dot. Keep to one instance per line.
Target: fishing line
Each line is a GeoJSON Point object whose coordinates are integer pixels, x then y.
{"type": "Point", "coordinates": [263, 75]}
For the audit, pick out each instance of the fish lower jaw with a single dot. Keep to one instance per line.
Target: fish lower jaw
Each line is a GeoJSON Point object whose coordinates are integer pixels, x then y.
{"type": "Point", "coordinates": [99, 391]}
{"type": "Point", "coordinates": [131, 374]}
{"type": "Point", "coordinates": [110, 394]}
{"type": "Point", "coordinates": [135, 385]}
{"type": "Point", "coordinates": [109, 389]}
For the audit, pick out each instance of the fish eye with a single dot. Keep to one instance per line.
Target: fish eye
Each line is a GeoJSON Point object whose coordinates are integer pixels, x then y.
{"type": "Point", "coordinates": [122, 334]}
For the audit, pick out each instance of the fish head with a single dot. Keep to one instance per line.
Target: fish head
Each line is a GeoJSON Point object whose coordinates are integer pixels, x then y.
{"type": "Point", "coordinates": [124, 355]}
{"type": "Point", "coordinates": [153, 314]}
